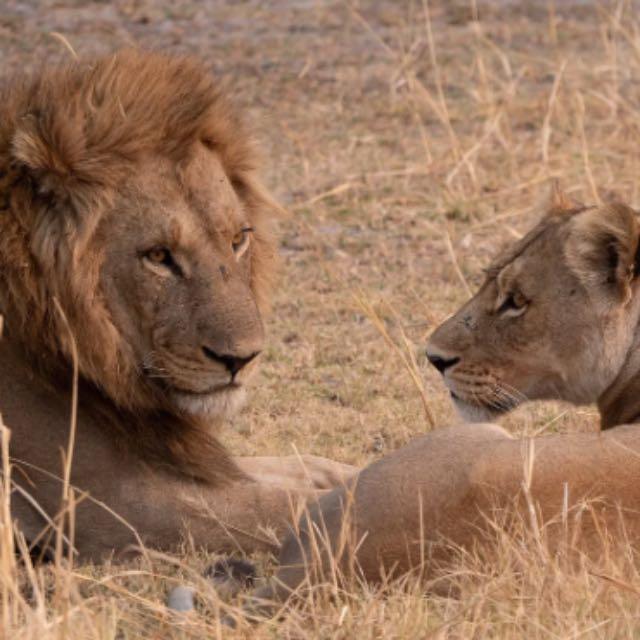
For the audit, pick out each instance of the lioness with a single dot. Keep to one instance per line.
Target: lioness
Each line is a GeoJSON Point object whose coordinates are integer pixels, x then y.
{"type": "Point", "coordinates": [135, 243]}
{"type": "Point", "coordinates": [557, 317]}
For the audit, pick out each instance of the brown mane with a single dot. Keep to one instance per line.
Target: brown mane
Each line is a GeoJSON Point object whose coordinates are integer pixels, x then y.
{"type": "Point", "coordinates": [68, 136]}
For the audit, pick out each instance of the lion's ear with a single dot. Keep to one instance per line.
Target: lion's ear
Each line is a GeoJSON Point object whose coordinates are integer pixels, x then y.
{"type": "Point", "coordinates": [51, 151]}
{"type": "Point", "coordinates": [559, 201]}
{"type": "Point", "coordinates": [602, 250]}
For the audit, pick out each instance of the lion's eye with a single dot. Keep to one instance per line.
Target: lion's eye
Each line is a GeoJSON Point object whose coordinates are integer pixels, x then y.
{"type": "Point", "coordinates": [240, 241]}
{"type": "Point", "coordinates": [160, 258]}
{"type": "Point", "coordinates": [160, 255]}
{"type": "Point", "coordinates": [513, 305]}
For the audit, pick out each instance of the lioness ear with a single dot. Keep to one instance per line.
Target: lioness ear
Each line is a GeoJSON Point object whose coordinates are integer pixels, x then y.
{"type": "Point", "coordinates": [602, 250]}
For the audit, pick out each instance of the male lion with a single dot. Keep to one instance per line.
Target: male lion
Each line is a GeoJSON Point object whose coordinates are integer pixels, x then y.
{"type": "Point", "coordinates": [135, 242]}
{"type": "Point", "coordinates": [557, 317]}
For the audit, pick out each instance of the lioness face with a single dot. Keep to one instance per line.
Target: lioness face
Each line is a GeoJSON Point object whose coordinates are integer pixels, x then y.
{"type": "Point", "coordinates": [176, 278]}
{"type": "Point", "coordinates": [554, 318]}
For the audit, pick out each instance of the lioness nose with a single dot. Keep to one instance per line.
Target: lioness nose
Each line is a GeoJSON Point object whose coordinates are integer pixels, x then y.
{"type": "Point", "coordinates": [440, 363]}
{"type": "Point", "coordinates": [232, 363]}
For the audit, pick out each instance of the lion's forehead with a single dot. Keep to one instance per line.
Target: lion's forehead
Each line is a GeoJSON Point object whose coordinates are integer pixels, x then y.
{"type": "Point", "coordinates": [193, 199]}
{"type": "Point", "coordinates": [207, 186]}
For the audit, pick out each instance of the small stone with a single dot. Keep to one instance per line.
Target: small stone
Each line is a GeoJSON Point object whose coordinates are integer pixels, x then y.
{"type": "Point", "coordinates": [181, 599]}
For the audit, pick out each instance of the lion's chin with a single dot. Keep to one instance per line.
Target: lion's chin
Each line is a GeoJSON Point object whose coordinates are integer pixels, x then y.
{"type": "Point", "coordinates": [221, 403]}
{"type": "Point", "coordinates": [474, 412]}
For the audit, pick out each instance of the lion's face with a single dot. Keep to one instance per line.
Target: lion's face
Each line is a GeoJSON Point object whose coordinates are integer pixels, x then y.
{"type": "Point", "coordinates": [555, 317]}
{"type": "Point", "coordinates": [137, 235]}
{"type": "Point", "coordinates": [176, 278]}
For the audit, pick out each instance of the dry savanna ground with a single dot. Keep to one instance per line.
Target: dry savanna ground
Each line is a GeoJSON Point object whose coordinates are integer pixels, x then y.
{"type": "Point", "coordinates": [409, 140]}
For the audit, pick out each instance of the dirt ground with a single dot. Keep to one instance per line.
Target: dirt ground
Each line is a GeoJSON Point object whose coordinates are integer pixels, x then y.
{"type": "Point", "coordinates": [409, 141]}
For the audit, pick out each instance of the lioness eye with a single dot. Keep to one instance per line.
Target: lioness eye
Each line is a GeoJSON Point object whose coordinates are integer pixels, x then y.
{"type": "Point", "coordinates": [240, 241]}
{"type": "Point", "coordinates": [514, 304]}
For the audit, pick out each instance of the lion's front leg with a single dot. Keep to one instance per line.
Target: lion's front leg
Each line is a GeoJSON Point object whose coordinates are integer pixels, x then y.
{"type": "Point", "coordinates": [243, 516]}
{"type": "Point", "coordinates": [156, 510]}
{"type": "Point", "coordinates": [297, 471]}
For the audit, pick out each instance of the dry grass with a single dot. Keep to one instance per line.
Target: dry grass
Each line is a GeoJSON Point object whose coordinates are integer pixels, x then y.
{"type": "Point", "coordinates": [410, 139]}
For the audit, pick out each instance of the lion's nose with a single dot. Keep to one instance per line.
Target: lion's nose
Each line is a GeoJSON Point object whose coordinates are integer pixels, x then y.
{"type": "Point", "coordinates": [441, 363]}
{"type": "Point", "coordinates": [232, 363]}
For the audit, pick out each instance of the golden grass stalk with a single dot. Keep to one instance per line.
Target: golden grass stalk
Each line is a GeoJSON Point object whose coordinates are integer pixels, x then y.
{"type": "Point", "coordinates": [405, 353]}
